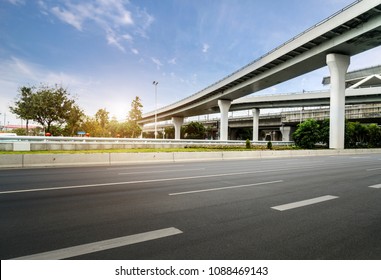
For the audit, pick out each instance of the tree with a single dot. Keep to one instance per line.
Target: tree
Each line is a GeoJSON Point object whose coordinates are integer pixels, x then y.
{"type": "Point", "coordinates": [24, 105]}
{"type": "Point", "coordinates": [115, 128]}
{"type": "Point", "coordinates": [374, 135]}
{"type": "Point", "coordinates": [102, 118]}
{"type": "Point", "coordinates": [307, 134]}
{"type": "Point", "coordinates": [244, 133]}
{"type": "Point", "coordinates": [324, 132]}
{"type": "Point", "coordinates": [134, 115]}
{"type": "Point", "coordinates": [45, 105]}
{"type": "Point", "coordinates": [356, 134]}
{"type": "Point", "coordinates": [170, 132]}
{"type": "Point", "coordinates": [91, 126]}
{"type": "Point", "coordinates": [194, 130]}
{"type": "Point", "coordinates": [74, 121]}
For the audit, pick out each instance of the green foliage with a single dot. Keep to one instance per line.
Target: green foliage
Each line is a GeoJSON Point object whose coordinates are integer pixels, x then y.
{"type": "Point", "coordinates": [170, 132]}
{"type": "Point", "coordinates": [102, 118]}
{"type": "Point", "coordinates": [194, 130]}
{"type": "Point", "coordinates": [23, 107]}
{"type": "Point", "coordinates": [374, 134]}
{"type": "Point", "coordinates": [357, 135]}
{"type": "Point", "coordinates": [244, 133]}
{"type": "Point", "coordinates": [91, 126]}
{"type": "Point", "coordinates": [74, 121]}
{"type": "Point", "coordinates": [46, 105]}
{"type": "Point", "coordinates": [53, 108]}
{"type": "Point", "coordinates": [135, 114]}
{"type": "Point", "coordinates": [248, 144]}
{"type": "Point", "coordinates": [24, 104]}
{"type": "Point", "coordinates": [269, 145]}
{"type": "Point", "coordinates": [19, 131]}
{"type": "Point", "coordinates": [307, 134]}
{"type": "Point", "coordinates": [324, 132]}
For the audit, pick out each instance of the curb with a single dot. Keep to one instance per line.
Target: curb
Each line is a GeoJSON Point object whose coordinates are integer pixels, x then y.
{"type": "Point", "coordinates": [52, 160]}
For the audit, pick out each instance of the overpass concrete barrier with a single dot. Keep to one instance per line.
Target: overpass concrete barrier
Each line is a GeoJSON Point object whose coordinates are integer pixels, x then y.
{"type": "Point", "coordinates": [51, 160]}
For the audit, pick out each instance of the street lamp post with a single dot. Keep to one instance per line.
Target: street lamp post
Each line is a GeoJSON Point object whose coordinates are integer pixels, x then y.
{"type": "Point", "coordinates": [5, 115]}
{"type": "Point", "coordinates": [155, 83]}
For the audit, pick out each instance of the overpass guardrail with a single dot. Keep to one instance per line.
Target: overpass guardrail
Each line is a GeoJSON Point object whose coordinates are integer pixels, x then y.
{"type": "Point", "coordinates": [51, 143]}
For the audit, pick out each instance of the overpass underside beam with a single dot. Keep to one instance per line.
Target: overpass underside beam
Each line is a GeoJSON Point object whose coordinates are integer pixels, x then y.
{"type": "Point", "coordinates": [338, 65]}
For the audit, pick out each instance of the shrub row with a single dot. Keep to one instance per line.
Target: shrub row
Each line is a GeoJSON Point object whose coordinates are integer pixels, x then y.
{"type": "Point", "coordinates": [357, 135]}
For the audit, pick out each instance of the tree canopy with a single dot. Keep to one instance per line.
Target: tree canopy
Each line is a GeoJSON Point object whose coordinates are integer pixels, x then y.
{"type": "Point", "coordinates": [44, 105]}
{"type": "Point", "coordinates": [55, 110]}
{"type": "Point", "coordinates": [134, 115]}
{"type": "Point", "coordinates": [307, 134]}
{"type": "Point", "coordinates": [357, 135]}
{"type": "Point", "coordinates": [194, 130]}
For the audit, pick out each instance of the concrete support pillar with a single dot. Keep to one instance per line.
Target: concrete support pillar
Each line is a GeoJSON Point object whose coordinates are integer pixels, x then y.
{"type": "Point", "coordinates": [286, 133]}
{"type": "Point", "coordinates": [224, 109]}
{"type": "Point", "coordinates": [255, 124]}
{"type": "Point", "coordinates": [338, 65]}
{"type": "Point", "coordinates": [177, 122]}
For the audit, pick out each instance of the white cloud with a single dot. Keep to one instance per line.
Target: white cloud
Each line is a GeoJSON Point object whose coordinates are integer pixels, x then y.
{"type": "Point", "coordinates": [205, 48]}
{"type": "Point", "coordinates": [145, 20]}
{"type": "Point", "coordinates": [134, 51]}
{"type": "Point", "coordinates": [172, 61]}
{"type": "Point", "coordinates": [90, 93]}
{"type": "Point", "coordinates": [17, 2]}
{"type": "Point", "coordinates": [16, 72]}
{"type": "Point", "coordinates": [125, 18]}
{"type": "Point", "coordinates": [114, 17]}
{"type": "Point", "coordinates": [157, 62]}
{"type": "Point", "coordinates": [113, 39]}
{"type": "Point", "coordinates": [68, 17]}
{"type": "Point", "coordinates": [127, 37]}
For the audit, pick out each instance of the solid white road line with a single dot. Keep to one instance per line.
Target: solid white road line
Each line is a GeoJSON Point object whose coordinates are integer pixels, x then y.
{"type": "Point", "coordinates": [304, 202]}
{"type": "Point", "coordinates": [358, 157]}
{"type": "Point", "coordinates": [136, 182]}
{"type": "Point", "coordinates": [376, 186]}
{"type": "Point", "coordinates": [225, 188]}
{"type": "Point", "coordinates": [158, 180]}
{"type": "Point", "coordinates": [373, 169]}
{"type": "Point", "coordinates": [102, 245]}
{"type": "Point", "coordinates": [143, 167]}
{"type": "Point", "coordinates": [161, 171]}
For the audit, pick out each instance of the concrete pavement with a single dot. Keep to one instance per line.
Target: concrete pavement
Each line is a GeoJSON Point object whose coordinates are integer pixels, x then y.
{"type": "Point", "coordinates": [218, 209]}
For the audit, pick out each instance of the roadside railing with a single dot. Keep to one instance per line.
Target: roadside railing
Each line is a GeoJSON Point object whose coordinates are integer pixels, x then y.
{"type": "Point", "coordinates": [108, 140]}
{"type": "Point", "coordinates": [58, 143]}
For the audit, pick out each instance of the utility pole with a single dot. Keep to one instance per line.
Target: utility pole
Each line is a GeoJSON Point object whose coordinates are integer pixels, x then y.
{"type": "Point", "coordinates": [155, 83]}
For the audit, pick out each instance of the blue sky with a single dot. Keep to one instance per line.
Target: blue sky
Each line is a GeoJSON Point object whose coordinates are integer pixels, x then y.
{"type": "Point", "coordinates": [106, 52]}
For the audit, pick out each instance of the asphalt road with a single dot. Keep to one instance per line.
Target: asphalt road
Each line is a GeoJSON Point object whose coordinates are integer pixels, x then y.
{"type": "Point", "coordinates": [296, 208]}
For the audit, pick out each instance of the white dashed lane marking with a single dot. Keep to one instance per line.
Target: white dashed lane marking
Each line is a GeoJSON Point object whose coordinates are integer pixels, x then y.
{"type": "Point", "coordinates": [302, 203]}
{"type": "Point", "coordinates": [102, 245]}
{"type": "Point", "coordinates": [226, 188]}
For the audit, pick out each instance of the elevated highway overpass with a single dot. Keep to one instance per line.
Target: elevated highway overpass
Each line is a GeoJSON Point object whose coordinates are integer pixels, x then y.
{"type": "Point", "coordinates": [306, 99]}
{"type": "Point", "coordinates": [353, 30]}
{"type": "Point", "coordinates": [275, 126]}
